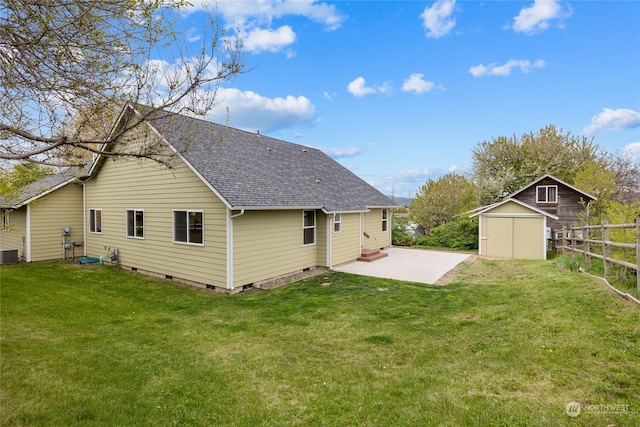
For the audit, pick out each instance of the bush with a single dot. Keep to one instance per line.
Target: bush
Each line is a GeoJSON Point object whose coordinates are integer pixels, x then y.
{"type": "Point", "coordinates": [461, 234]}
{"type": "Point", "coordinates": [399, 234]}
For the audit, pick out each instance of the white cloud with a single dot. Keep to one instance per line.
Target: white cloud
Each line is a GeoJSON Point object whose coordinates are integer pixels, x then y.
{"type": "Point", "coordinates": [416, 83]}
{"type": "Point", "coordinates": [341, 153]}
{"type": "Point", "coordinates": [358, 88]}
{"type": "Point", "coordinates": [633, 150]}
{"type": "Point", "coordinates": [437, 19]}
{"type": "Point", "coordinates": [505, 69]}
{"type": "Point", "coordinates": [539, 16]}
{"type": "Point", "coordinates": [263, 12]}
{"type": "Point", "coordinates": [252, 111]}
{"type": "Point", "coordinates": [258, 40]}
{"type": "Point", "coordinates": [616, 120]}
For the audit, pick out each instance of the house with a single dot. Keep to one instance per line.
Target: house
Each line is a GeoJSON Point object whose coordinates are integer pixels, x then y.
{"type": "Point", "coordinates": [520, 225]}
{"type": "Point", "coordinates": [234, 210]}
{"type": "Point", "coordinates": [43, 221]}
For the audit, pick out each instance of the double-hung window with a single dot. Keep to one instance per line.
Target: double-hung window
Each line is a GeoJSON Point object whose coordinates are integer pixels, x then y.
{"type": "Point", "coordinates": [188, 227]}
{"type": "Point", "coordinates": [547, 194]}
{"type": "Point", "coordinates": [385, 219]}
{"type": "Point", "coordinates": [135, 223]}
{"type": "Point", "coordinates": [308, 228]}
{"type": "Point", "coordinates": [5, 220]}
{"type": "Point", "coordinates": [95, 220]}
{"type": "Point", "coordinates": [337, 223]}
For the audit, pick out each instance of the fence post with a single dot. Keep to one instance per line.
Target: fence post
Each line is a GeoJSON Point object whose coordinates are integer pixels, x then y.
{"type": "Point", "coordinates": [564, 240]}
{"type": "Point", "coordinates": [638, 252]}
{"type": "Point", "coordinates": [574, 243]}
{"type": "Point", "coordinates": [587, 247]}
{"type": "Point", "coordinates": [606, 250]}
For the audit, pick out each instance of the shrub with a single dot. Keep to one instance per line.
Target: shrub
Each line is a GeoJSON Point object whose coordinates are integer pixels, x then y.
{"type": "Point", "coordinates": [399, 234]}
{"type": "Point", "coordinates": [461, 234]}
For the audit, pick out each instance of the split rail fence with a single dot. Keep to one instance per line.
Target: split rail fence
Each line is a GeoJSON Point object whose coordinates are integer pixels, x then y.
{"type": "Point", "coordinates": [598, 241]}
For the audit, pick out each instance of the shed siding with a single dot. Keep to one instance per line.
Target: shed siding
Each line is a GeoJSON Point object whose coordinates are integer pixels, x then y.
{"type": "Point", "coordinates": [373, 228]}
{"type": "Point", "coordinates": [529, 239]}
{"type": "Point", "coordinates": [123, 184]}
{"type": "Point", "coordinates": [62, 207]}
{"type": "Point", "coordinates": [346, 243]}
{"type": "Point", "coordinates": [12, 239]}
{"type": "Point", "coordinates": [267, 244]}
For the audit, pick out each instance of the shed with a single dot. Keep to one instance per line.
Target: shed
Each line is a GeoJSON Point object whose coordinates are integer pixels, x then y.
{"type": "Point", "coordinates": [513, 229]}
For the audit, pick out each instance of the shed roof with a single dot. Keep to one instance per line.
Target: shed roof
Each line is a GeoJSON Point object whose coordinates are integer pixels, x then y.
{"type": "Point", "coordinates": [253, 171]}
{"type": "Point", "coordinates": [489, 208]}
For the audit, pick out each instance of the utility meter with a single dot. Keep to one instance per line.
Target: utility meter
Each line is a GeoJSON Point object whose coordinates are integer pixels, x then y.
{"type": "Point", "coordinates": [66, 230]}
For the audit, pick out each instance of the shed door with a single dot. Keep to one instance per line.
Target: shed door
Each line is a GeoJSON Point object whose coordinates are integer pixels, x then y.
{"type": "Point", "coordinates": [498, 237]}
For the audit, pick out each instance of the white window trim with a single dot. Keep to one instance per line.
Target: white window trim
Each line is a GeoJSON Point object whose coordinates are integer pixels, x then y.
{"type": "Point", "coordinates": [546, 187]}
{"type": "Point", "coordinates": [337, 220]}
{"type": "Point", "coordinates": [92, 210]}
{"type": "Point", "coordinates": [384, 224]}
{"type": "Point", "coordinates": [126, 230]}
{"type": "Point", "coordinates": [173, 226]}
{"type": "Point", "coordinates": [6, 220]}
{"type": "Point", "coordinates": [305, 227]}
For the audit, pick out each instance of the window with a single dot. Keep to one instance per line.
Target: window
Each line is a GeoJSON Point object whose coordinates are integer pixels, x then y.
{"type": "Point", "coordinates": [5, 220]}
{"type": "Point", "coordinates": [188, 227]}
{"type": "Point", "coordinates": [135, 223]}
{"type": "Point", "coordinates": [385, 219]}
{"type": "Point", "coordinates": [337, 223]}
{"type": "Point", "coordinates": [308, 227]}
{"type": "Point", "coordinates": [547, 194]}
{"type": "Point", "coordinates": [95, 220]}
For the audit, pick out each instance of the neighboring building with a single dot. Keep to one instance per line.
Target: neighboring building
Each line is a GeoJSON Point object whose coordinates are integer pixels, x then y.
{"type": "Point", "coordinates": [234, 210]}
{"type": "Point", "coordinates": [521, 225]}
{"type": "Point", "coordinates": [44, 219]}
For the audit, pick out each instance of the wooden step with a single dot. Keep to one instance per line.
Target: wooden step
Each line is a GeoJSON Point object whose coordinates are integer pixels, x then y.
{"type": "Point", "coordinates": [369, 255]}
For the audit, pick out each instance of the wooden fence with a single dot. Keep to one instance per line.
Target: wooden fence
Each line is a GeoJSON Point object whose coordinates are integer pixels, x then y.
{"type": "Point", "coordinates": [595, 241]}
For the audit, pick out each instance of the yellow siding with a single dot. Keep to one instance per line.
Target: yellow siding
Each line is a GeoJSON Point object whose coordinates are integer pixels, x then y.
{"type": "Point", "coordinates": [345, 245]}
{"type": "Point", "coordinates": [511, 208]}
{"type": "Point", "coordinates": [268, 244]}
{"type": "Point", "coordinates": [12, 239]}
{"type": "Point", "coordinates": [62, 207]}
{"type": "Point", "coordinates": [123, 184]}
{"type": "Point", "coordinates": [529, 238]}
{"type": "Point", "coordinates": [497, 237]}
{"type": "Point", "coordinates": [373, 228]}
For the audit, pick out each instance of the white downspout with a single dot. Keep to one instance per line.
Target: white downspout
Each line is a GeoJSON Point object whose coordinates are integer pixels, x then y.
{"type": "Point", "coordinates": [84, 217]}
{"type": "Point", "coordinates": [329, 234]}
{"type": "Point", "coordinates": [230, 247]}
{"type": "Point", "coordinates": [27, 256]}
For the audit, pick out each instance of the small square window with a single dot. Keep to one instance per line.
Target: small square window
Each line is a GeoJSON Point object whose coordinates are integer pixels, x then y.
{"type": "Point", "coordinates": [337, 223]}
{"type": "Point", "coordinates": [188, 227]}
{"type": "Point", "coordinates": [547, 194]}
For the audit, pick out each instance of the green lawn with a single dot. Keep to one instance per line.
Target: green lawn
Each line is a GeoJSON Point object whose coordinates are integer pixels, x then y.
{"type": "Point", "coordinates": [507, 343]}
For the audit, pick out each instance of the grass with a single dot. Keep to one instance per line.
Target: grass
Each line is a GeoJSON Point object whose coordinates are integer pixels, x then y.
{"type": "Point", "coordinates": [507, 343]}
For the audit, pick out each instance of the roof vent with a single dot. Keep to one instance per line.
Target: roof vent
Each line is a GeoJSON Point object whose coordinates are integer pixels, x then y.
{"type": "Point", "coordinates": [268, 148]}
{"type": "Point", "coordinates": [317, 181]}
{"type": "Point", "coordinates": [304, 150]}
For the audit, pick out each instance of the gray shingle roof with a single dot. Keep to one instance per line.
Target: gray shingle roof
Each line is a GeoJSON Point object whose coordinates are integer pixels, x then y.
{"type": "Point", "coordinates": [39, 188]}
{"type": "Point", "coordinates": [251, 171]}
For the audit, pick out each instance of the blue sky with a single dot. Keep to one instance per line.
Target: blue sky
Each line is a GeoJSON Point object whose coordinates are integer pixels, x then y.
{"type": "Point", "coordinates": [401, 92]}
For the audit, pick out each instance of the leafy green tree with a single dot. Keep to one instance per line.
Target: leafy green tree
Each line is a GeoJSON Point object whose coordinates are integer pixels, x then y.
{"type": "Point", "coordinates": [68, 66]}
{"type": "Point", "coordinates": [504, 165]}
{"type": "Point", "coordinates": [18, 176]}
{"type": "Point", "coordinates": [439, 201]}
